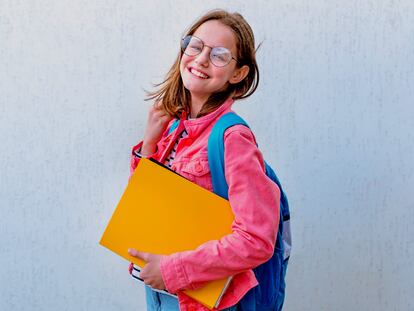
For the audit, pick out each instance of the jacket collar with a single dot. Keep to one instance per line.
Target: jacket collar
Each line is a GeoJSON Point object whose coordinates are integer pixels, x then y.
{"type": "Point", "coordinates": [195, 126]}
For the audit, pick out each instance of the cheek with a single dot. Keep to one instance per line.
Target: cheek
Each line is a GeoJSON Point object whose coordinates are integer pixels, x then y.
{"type": "Point", "coordinates": [223, 74]}
{"type": "Point", "coordinates": [184, 63]}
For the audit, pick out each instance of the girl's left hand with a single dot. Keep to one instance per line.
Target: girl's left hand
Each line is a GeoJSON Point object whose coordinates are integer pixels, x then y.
{"type": "Point", "coordinates": [151, 273]}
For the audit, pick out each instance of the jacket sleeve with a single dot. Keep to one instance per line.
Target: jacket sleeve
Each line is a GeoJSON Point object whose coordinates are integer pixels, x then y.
{"type": "Point", "coordinates": [254, 199]}
{"type": "Point", "coordinates": [134, 158]}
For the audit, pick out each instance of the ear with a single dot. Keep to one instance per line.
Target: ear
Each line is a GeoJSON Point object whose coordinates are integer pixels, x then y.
{"type": "Point", "coordinates": [239, 74]}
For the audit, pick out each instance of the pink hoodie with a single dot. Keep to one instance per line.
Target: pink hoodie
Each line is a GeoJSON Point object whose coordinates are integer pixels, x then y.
{"type": "Point", "coordinates": [254, 199]}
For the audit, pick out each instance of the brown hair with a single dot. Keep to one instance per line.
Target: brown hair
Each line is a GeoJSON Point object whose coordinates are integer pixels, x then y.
{"type": "Point", "coordinates": [174, 97]}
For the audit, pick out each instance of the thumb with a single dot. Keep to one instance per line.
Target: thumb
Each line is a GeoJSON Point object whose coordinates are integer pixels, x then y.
{"type": "Point", "coordinates": [138, 254]}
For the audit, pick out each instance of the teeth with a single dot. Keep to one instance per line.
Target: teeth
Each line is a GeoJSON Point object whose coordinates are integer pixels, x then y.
{"type": "Point", "coordinates": [198, 73]}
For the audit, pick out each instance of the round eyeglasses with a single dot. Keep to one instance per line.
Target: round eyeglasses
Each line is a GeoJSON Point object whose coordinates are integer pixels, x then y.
{"type": "Point", "coordinates": [219, 56]}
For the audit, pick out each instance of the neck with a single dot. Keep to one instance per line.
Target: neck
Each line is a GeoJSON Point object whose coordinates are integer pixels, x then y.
{"type": "Point", "coordinates": [196, 105]}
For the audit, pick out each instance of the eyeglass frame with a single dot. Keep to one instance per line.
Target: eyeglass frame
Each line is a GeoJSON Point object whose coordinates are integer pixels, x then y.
{"type": "Point", "coordinates": [211, 49]}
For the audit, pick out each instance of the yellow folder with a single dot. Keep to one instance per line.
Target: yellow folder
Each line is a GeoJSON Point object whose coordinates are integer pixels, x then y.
{"type": "Point", "coordinates": [161, 212]}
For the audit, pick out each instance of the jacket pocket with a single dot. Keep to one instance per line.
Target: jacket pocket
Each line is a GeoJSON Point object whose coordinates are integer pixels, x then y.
{"type": "Point", "coordinates": [198, 171]}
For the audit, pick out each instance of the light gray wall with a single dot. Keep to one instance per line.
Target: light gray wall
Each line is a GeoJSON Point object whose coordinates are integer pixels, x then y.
{"type": "Point", "coordinates": [333, 114]}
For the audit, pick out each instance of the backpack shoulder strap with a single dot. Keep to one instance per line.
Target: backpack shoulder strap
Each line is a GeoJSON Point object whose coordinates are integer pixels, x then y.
{"type": "Point", "coordinates": [173, 126]}
{"type": "Point", "coordinates": [215, 151]}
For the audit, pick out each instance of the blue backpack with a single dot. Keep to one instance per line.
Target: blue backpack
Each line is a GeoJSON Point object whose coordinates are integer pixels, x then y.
{"type": "Point", "coordinates": [270, 293]}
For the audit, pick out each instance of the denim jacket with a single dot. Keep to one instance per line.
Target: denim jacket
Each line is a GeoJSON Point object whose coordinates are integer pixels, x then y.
{"type": "Point", "coordinates": [253, 197]}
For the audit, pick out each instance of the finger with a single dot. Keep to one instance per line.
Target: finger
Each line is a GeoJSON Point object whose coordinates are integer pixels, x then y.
{"type": "Point", "coordinates": [157, 105]}
{"type": "Point", "coordinates": [159, 115]}
{"type": "Point", "coordinates": [165, 119]}
{"type": "Point", "coordinates": [158, 112]}
{"type": "Point", "coordinates": [155, 110]}
{"type": "Point", "coordinates": [138, 254]}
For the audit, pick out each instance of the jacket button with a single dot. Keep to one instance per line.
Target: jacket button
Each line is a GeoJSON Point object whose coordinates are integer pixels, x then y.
{"type": "Point", "coordinates": [198, 168]}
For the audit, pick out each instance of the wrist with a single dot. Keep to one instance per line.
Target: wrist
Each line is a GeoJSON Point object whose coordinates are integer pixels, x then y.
{"type": "Point", "coordinates": [148, 149]}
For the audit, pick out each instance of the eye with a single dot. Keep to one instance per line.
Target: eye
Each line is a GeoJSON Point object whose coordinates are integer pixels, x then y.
{"type": "Point", "coordinates": [192, 45]}
{"type": "Point", "coordinates": [195, 46]}
{"type": "Point", "coordinates": [220, 54]}
{"type": "Point", "coordinates": [219, 57]}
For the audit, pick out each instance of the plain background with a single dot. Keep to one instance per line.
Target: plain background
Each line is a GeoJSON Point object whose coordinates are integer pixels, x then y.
{"type": "Point", "coordinates": [333, 114]}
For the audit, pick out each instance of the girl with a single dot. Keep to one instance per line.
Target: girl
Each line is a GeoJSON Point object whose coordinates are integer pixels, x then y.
{"type": "Point", "coordinates": [215, 67]}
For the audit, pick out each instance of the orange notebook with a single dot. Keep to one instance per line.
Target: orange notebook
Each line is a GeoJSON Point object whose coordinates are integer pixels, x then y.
{"type": "Point", "coordinates": [161, 212]}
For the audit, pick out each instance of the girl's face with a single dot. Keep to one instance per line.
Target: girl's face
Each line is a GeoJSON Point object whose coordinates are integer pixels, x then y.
{"type": "Point", "coordinates": [199, 75]}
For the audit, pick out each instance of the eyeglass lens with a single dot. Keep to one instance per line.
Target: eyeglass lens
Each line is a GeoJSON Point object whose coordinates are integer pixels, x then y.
{"type": "Point", "coordinates": [193, 46]}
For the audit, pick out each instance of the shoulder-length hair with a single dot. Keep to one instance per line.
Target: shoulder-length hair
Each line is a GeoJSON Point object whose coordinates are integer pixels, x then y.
{"type": "Point", "coordinates": [173, 97]}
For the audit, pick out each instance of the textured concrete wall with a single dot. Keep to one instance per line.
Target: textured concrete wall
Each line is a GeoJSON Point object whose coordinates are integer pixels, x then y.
{"type": "Point", "coordinates": [332, 114]}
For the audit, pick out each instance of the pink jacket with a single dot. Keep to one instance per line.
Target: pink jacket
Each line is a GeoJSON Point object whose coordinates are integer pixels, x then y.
{"type": "Point", "coordinates": [254, 199]}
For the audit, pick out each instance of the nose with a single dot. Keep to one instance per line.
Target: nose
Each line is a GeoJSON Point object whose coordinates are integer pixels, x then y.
{"type": "Point", "coordinates": [204, 57]}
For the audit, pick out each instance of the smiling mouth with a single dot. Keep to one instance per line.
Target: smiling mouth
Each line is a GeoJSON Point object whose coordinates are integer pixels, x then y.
{"type": "Point", "coordinates": [197, 73]}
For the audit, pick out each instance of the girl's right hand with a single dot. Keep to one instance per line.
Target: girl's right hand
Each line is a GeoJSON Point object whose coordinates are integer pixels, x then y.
{"type": "Point", "coordinates": [156, 124]}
